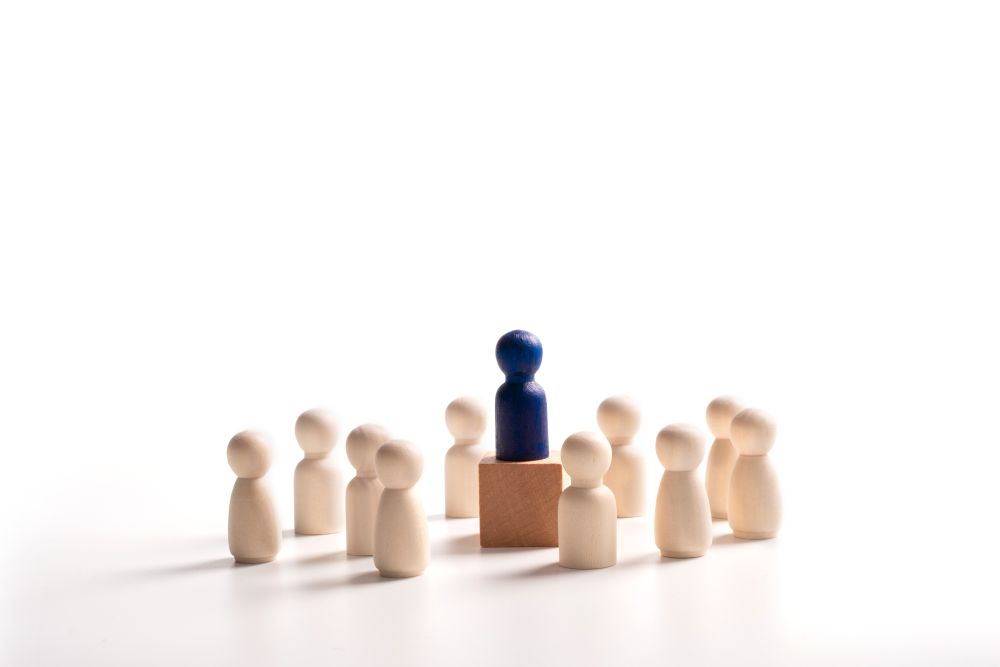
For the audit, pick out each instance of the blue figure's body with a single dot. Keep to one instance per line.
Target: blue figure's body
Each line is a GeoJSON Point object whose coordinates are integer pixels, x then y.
{"type": "Point", "coordinates": [522, 422]}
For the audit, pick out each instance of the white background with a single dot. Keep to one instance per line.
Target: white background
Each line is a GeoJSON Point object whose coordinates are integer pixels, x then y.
{"type": "Point", "coordinates": [216, 215]}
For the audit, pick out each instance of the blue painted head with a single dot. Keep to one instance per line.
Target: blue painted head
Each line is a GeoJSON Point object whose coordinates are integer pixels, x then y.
{"type": "Point", "coordinates": [519, 353]}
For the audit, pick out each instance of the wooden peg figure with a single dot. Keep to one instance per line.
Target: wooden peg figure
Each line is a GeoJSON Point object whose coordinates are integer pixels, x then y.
{"type": "Point", "coordinates": [683, 522]}
{"type": "Point", "coordinates": [319, 486]}
{"type": "Point", "coordinates": [522, 427]}
{"type": "Point", "coordinates": [588, 531]}
{"type": "Point", "coordinates": [722, 456]}
{"type": "Point", "coordinates": [618, 418]}
{"type": "Point", "coordinates": [254, 531]}
{"type": "Point", "coordinates": [401, 545]}
{"type": "Point", "coordinates": [466, 421]}
{"type": "Point", "coordinates": [364, 491]}
{"type": "Point", "coordinates": [754, 497]}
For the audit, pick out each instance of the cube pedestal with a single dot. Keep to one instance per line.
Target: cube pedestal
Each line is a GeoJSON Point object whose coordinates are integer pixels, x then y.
{"type": "Point", "coordinates": [519, 502]}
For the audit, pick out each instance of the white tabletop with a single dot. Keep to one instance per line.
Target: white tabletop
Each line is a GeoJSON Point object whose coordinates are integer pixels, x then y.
{"type": "Point", "coordinates": [789, 601]}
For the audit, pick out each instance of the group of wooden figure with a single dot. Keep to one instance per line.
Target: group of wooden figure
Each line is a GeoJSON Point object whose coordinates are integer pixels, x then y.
{"type": "Point", "coordinates": [522, 495]}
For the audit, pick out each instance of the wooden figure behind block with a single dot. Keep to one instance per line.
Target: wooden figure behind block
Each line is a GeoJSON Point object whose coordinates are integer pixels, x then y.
{"type": "Point", "coordinates": [254, 531]}
{"type": "Point", "coordinates": [522, 431]}
{"type": "Point", "coordinates": [466, 420]}
{"type": "Point", "coordinates": [618, 418]}
{"type": "Point", "coordinates": [319, 486]}
{"type": "Point", "coordinates": [683, 522]}
{"type": "Point", "coordinates": [364, 491]}
{"type": "Point", "coordinates": [588, 537]}
{"type": "Point", "coordinates": [519, 502]}
{"type": "Point", "coordinates": [722, 456]}
{"type": "Point", "coordinates": [754, 497]}
{"type": "Point", "coordinates": [401, 545]}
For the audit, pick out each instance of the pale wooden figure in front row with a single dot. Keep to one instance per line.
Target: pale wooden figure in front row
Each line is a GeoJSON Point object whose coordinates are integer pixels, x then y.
{"type": "Point", "coordinates": [722, 456]}
{"type": "Point", "coordinates": [618, 418]}
{"type": "Point", "coordinates": [364, 491]}
{"type": "Point", "coordinates": [588, 531]}
{"type": "Point", "coordinates": [466, 421]}
{"type": "Point", "coordinates": [401, 545]}
{"type": "Point", "coordinates": [254, 531]}
{"type": "Point", "coordinates": [683, 522]}
{"type": "Point", "coordinates": [319, 482]}
{"type": "Point", "coordinates": [754, 497]}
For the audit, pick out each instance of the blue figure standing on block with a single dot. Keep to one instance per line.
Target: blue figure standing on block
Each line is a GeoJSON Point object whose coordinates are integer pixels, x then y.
{"type": "Point", "coordinates": [522, 421]}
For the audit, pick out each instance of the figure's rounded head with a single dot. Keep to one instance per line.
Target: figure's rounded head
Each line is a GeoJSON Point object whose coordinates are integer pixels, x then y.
{"type": "Point", "coordinates": [362, 443]}
{"type": "Point", "coordinates": [720, 415]}
{"type": "Point", "coordinates": [586, 457]}
{"type": "Point", "coordinates": [398, 464]}
{"type": "Point", "coordinates": [316, 431]}
{"type": "Point", "coordinates": [680, 447]}
{"type": "Point", "coordinates": [519, 352]}
{"type": "Point", "coordinates": [465, 418]}
{"type": "Point", "coordinates": [618, 418]}
{"type": "Point", "coordinates": [249, 454]}
{"type": "Point", "coordinates": [753, 432]}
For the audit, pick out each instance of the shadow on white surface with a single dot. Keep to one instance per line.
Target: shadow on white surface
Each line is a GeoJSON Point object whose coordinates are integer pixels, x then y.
{"type": "Point", "coordinates": [327, 558]}
{"type": "Point", "coordinates": [199, 566]}
{"type": "Point", "coordinates": [725, 540]}
{"type": "Point", "coordinates": [458, 544]}
{"type": "Point", "coordinates": [649, 559]}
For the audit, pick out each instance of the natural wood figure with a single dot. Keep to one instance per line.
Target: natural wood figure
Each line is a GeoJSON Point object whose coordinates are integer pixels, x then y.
{"type": "Point", "coordinates": [754, 496]}
{"type": "Point", "coordinates": [519, 502]}
{"type": "Point", "coordinates": [401, 545]}
{"type": "Point", "coordinates": [466, 421]}
{"type": "Point", "coordinates": [254, 531]}
{"type": "Point", "coordinates": [319, 482]}
{"type": "Point", "coordinates": [588, 537]}
{"type": "Point", "coordinates": [683, 521]}
{"type": "Point", "coordinates": [722, 456]}
{"type": "Point", "coordinates": [618, 418]}
{"type": "Point", "coordinates": [364, 491]}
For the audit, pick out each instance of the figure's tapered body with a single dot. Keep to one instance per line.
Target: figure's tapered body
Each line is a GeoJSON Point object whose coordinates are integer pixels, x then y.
{"type": "Point", "coordinates": [365, 490]}
{"type": "Point", "coordinates": [683, 520]}
{"type": "Point", "coordinates": [319, 483]}
{"type": "Point", "coordinates": [755, 507]}
{"type": "Point", "coordinates": [319, 503]}
{"type": "Point", "coordinates": [618, 418]}
{"type": "Point", "coordinates": [401, 548]}
{"type": "Point", "coordinates": [466, 420]}
{"type": "Point", "coordinates": [588, 529]}
{"type": "Point", "coordinates": [722, 455]}
{"type": "Point", "coordinates": [361, 499]}
{"type": "Point", "coordinates": [461, 470]}
{"type": "Point", "coordinates": [401, 543]}
{"type": "Point", "coordinates": [254, 530]}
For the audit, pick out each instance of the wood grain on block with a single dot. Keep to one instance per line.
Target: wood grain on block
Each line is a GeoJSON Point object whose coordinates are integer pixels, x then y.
{"type": "Point", "coordinates": [519, 502]}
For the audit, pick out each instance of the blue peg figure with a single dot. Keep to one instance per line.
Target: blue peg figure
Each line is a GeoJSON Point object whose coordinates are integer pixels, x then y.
{"type": "Point", "coordinates": [522, 422]}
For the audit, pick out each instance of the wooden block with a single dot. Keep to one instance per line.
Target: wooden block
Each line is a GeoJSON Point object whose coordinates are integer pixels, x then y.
{"type": "Point", "coordinates": [519, 502]}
